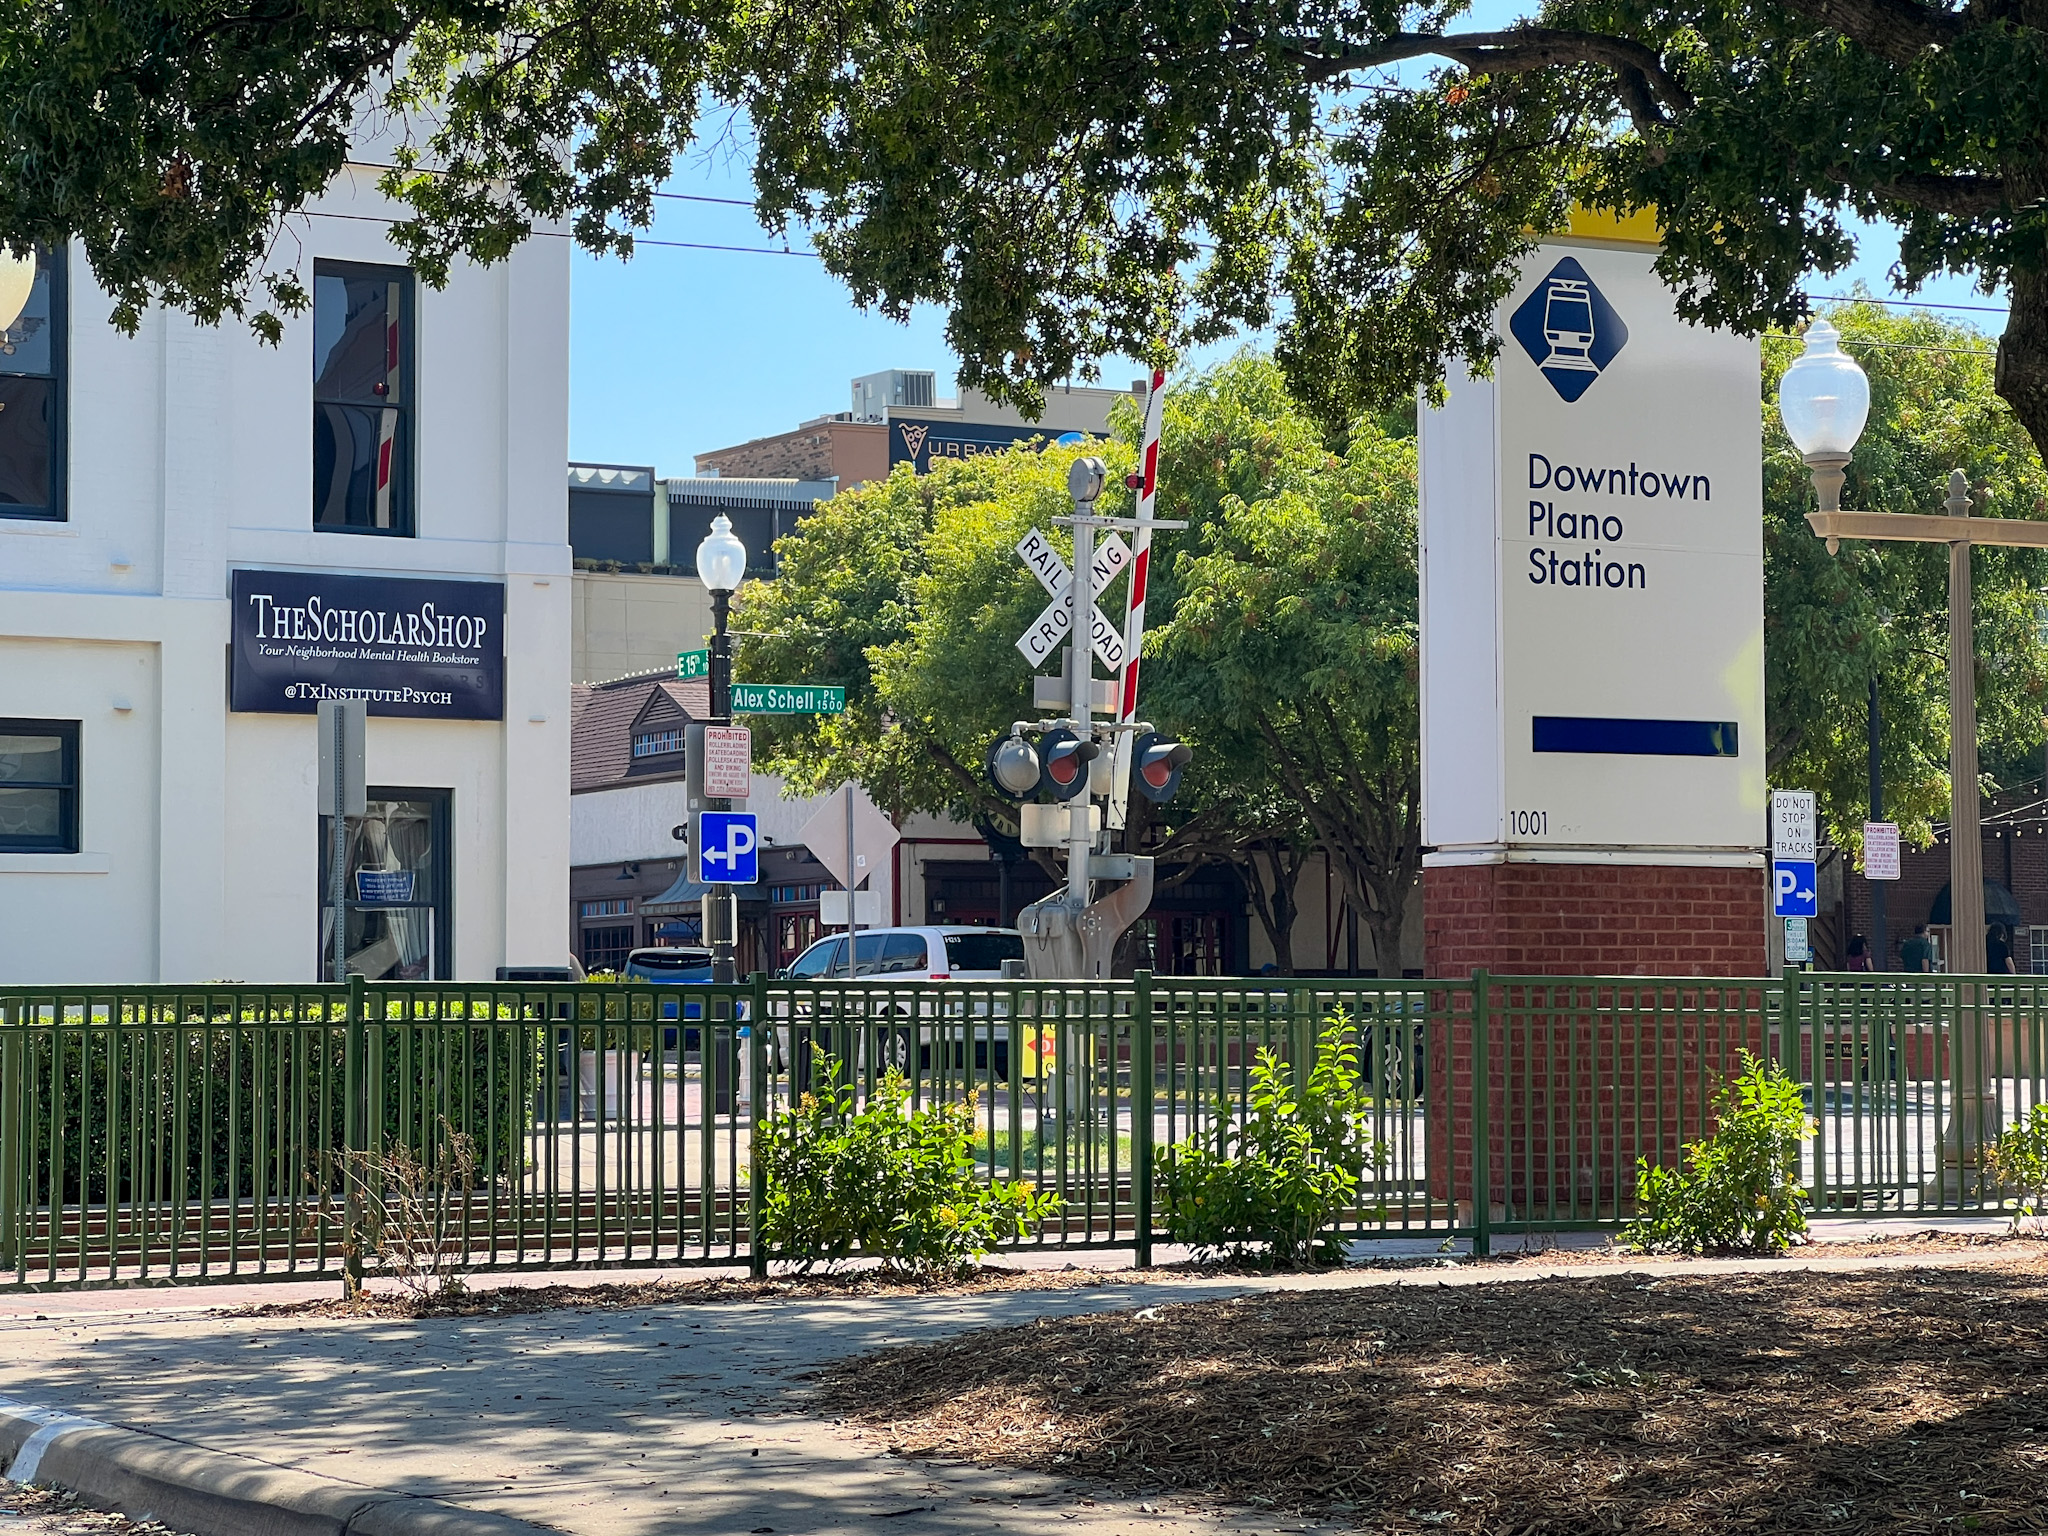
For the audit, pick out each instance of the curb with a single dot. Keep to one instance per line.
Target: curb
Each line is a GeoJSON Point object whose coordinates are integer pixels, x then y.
{"type": "Point", "coordinates": [214, 1493]}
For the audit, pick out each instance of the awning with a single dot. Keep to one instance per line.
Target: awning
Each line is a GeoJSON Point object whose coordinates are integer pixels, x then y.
{"type": "Point", "coordinates": [685, 896]}
{"type": "Point", "coordinates": [2000, 907]}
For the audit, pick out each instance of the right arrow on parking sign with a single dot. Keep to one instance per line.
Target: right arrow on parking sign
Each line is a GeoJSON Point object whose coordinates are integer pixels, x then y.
{"type": "Point", "coordinates": [1794, 888]}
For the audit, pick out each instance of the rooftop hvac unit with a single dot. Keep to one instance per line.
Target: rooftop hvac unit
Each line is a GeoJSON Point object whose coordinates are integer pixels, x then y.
{"type": "Point", "coordinates": [903, 388]}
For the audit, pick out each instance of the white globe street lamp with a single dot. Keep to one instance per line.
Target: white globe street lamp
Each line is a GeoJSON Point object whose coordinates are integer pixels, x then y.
{"type": "Point", "coordinates": [1824, 399]}
{"type": "Point", "coordinates": [721, 558]}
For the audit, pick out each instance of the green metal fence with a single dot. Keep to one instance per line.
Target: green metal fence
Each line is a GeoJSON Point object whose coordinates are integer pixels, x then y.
{"type": "Point", "coordinates": [206, 1133]}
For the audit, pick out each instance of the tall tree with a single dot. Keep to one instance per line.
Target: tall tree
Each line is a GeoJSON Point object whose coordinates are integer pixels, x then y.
{"type": "Point", "coordinates": [1289, 641]}
{"type": "Point", "coordinates": [1832, 622]}
{"type": "Point", "coordinates": [1071, 179]}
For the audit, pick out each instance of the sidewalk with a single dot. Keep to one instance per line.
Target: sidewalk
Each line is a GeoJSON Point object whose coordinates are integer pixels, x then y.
{"type": "Point", "coordinates": [673, 1418]}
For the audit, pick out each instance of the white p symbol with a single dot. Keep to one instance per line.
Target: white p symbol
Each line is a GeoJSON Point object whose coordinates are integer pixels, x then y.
{"type": "Point", "coordinates": [1788, 882]}
{"type": "Point", "coordinates": [739, 842]}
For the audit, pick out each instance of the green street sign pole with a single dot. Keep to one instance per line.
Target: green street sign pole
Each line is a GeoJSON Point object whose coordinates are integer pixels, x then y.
{"type": "Point", "coordinates": [788, 699]}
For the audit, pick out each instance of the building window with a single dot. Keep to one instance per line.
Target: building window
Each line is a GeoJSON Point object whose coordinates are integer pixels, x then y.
{"type": "Point", "coordinates": [38, 786]}
{"type": "Point", "coordinates": [32, 400]}
{"type": "Point", "coordinates": [362, 398]}
{"type": "Point", "coordinates": [2037, 951]}
{"type": "Point", "coordinates": [655, 743]}
{"type": "Point", "coordinates": [394, 889]}
{"type": "Point", "coordinates": [606, 949]}
{"type": "Point", "coordinates": [619, 907]}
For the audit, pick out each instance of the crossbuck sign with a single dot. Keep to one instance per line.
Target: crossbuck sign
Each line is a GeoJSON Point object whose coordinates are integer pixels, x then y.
{"type": "Point", "coordinates": [1049, 629]}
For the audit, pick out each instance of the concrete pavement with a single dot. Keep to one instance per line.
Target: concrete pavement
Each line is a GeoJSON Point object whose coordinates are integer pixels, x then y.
{"type": "Point", "coordinates": [629, 1421]}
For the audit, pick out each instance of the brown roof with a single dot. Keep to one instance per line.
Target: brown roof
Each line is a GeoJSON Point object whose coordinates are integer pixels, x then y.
{"type": "Point", "coordinates": [603, 718]}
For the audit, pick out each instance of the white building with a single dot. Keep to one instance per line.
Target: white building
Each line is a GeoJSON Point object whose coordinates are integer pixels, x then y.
{"type": "Point", "coordinates": [201, 534]}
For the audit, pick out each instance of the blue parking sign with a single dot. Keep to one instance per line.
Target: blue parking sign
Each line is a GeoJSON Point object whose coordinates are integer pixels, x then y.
{"type": "Point", "coordinates": [727, 844]}
{"type": "Point", "coordinates": [1794, 889]}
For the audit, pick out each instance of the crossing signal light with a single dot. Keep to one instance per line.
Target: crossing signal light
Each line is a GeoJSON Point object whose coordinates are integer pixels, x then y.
{"type": "Point", "coordinates": [1066, 758]}
{"type": "Point", "coordinates": [1014, 767]}
{"type": "Point", "coordinates": [1156, 765]}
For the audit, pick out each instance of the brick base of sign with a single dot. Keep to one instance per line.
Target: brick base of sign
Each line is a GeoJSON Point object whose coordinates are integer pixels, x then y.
{"type": "Point", "coordinates": [1585, 1079]}
{"type": "Point", "coordinates": [1593, 920]}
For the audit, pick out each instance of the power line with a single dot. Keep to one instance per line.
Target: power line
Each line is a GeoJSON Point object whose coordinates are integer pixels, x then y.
{"type": "Point", "coordinates": [1841, 298]}
{"type": "Point", "coordinates": [556, 234]}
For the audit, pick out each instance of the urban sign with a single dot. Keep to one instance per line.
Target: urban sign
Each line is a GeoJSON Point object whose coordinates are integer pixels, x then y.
{"type": "Point", "coordinates": [1592, 575]}
{"type": "Point", "coordinates": [728, 762]}
{"type": "Point", "coordinates": [406, 646]}
{"type": "Point", "coordinates": [788, 699]}
{"type": "Point", "coordinates": [692, 664]}
{"type": "Point", "coordinates": [1880, 850]}
{"type": "Point", "coordinates": [728, 844]}
{"type": "Point", "coordinates": [1794, 888]}
{"type": "Point", "coordinates": [1795, 829]}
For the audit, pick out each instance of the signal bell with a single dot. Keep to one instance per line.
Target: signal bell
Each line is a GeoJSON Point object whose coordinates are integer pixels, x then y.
{"type": "Point", "coordinates": [1014, 767]}
{"type": "Point", "coordinates": [1156, 765]}
{"type": "Point", "coordinates": [1066, 758]}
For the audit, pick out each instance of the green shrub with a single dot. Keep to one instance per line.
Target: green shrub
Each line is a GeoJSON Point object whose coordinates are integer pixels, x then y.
{"type": "Point", "coordinates": [1739, 1190]}
{"type": "Point", "coordinates": [2018, 1163]}
{"type": "Point", "coordinates": [1285, 1168]}
{"type": "Point", "coordinates": [884, 1180]}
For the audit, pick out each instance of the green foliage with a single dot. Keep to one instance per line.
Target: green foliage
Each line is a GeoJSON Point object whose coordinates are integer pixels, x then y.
{"type": "Point", "coordinates": [1739, 1190]}
{"type": "Point", "coordinates": [2018, 1163]}
{"type": "Point", "coordinates": [1282, 1170]}
{"type": "Point", "coordinates": [1831, 622]}
{"type": "Point", "coordinates": [884, 1180]}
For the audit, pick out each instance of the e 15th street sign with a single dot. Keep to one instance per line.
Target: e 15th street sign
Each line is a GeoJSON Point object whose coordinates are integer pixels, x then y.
{"type": "Point", "coordinates": [788, 699]}
{"type": "Point", "coordinates": [691, 664]}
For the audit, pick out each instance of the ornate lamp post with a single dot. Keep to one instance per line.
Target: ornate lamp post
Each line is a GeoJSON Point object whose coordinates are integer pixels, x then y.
{"type": "Point", "coordinates": [721, 566]}
{"type": "Point", "coordinates": [1819, 399]}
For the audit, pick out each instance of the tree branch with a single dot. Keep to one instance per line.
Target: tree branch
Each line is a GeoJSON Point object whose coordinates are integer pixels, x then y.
{"type": "Point", "coordinates": [1515, 52]}
{"type": "Point", "coordinates": [1965, 196]}
{"type": "Point", "coordinates": [1897, 30]}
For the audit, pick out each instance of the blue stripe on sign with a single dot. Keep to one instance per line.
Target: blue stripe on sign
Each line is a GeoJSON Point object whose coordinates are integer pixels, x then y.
{"type": "Point", "coordinates": [1635, 738]}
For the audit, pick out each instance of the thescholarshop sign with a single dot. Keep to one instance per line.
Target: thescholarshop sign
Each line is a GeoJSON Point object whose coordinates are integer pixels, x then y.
{"type": "Point", "coordinates": [408, 646]}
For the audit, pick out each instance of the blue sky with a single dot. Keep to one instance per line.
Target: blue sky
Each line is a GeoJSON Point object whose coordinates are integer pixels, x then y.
{"type": "Point", "coordinates": [680, 350]}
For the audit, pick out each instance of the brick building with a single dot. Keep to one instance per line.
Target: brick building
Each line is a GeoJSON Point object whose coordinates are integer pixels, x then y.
{"type": "Point", "coordinates": [2015, 836]}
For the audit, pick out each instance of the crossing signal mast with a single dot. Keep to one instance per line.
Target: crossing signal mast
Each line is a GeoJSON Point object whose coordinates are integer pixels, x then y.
{"type": "Point", "coordinates": [1058, 768]}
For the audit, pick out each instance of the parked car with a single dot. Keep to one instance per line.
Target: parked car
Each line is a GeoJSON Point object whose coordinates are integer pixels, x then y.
{"type": "Point", "coordinates": [909, 957]}
{"type": "Point", "coordinates": [676, 965]}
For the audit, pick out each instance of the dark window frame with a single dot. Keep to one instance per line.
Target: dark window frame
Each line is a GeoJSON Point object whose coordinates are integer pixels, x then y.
{"type": "Point", "coordinates": [70, 788]}
{"type": "Point", "coordinates": [405, 518]}
{"type": "Point", "coordinates": [58, 510]}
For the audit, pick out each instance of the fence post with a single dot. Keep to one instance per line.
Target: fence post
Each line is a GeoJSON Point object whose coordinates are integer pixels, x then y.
{"type": "Point", "coordinates": [1792, 1029]}
{"type": "Point", "coordinates": [1142, 1047]}
{"type": "Point", "coordinates": [13, 1130]}
{"type": "Point", "coordinates": [759, 1092]}
{"type": "Point", "coordinates": [1482, 1127]}
{"type": "Point", "coordinates": [355, 1135]}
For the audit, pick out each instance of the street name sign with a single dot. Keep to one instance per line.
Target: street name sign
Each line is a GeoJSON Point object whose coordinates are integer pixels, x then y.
{"type": "Point", "coordinates": [1880, 850]}
{"type": "Point", "coordinates": [1794, 888]}
{"type": "Point", "coordinates": [691, 664]}
{"type": "Point", "coordinates": [728, 844]}
{"type": "Point", "coordinates": [728, 762]}
{"type": "Point", "coordinates": [1794, 834]}
{"type": "Point", "coordinates": [788, 699]}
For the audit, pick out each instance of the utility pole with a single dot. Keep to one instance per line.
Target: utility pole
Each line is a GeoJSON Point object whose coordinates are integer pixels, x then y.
{"type": "Point", "coordinates": [1879, 944]}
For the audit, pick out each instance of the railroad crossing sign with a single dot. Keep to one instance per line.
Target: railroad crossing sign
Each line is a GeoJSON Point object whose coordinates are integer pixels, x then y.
{"type": "Point", "coordinates": [1049, 630]}
{"type": "Point", "coordinates": [788, 699]}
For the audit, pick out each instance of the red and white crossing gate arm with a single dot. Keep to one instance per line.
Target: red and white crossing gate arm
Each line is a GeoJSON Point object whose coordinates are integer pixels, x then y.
{"type": "Point", "coordinates": [1141, 561]}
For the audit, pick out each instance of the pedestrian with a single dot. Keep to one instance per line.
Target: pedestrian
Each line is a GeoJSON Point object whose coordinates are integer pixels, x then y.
{"type": "Point", "coordinates": [1859, 953]}
{"type": "Point", "coordinates": [1917, 953]}
{"type": "Point", "coordinates": [1998, 951]}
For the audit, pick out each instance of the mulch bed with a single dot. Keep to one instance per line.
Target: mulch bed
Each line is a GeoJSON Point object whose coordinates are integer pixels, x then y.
{"type": "Point", "coordinates": [1909, 1399]}
{"type": "Point", "coordinates": [56, 1512]}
